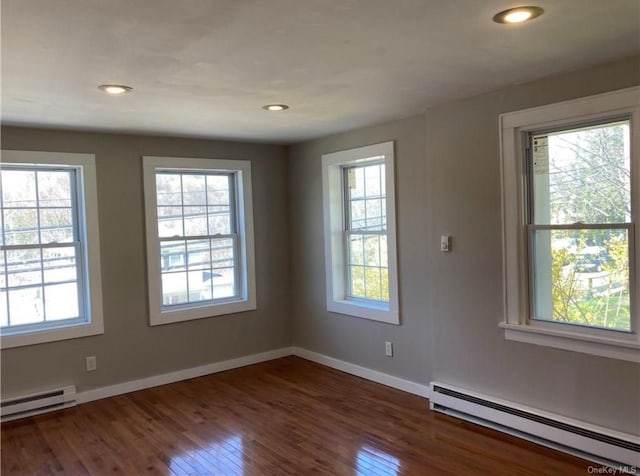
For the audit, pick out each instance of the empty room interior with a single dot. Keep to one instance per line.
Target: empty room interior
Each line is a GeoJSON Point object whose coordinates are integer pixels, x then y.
{"type": "Point", "coordinates": [320, 237]}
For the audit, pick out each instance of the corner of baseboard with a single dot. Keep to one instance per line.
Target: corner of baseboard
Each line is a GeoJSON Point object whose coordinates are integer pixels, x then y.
{"type": "Point", "coordinates": [408, 386]}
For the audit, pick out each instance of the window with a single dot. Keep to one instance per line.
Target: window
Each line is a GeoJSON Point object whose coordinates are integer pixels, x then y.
{"type": "Point", "coordinates": [360, 242]}
{"type": "Point", "coordinates": [50, 287]}
{"type": "Point", "coordinates": [570, 202]}
{"type": "Point", "coordinates": [199, 238]}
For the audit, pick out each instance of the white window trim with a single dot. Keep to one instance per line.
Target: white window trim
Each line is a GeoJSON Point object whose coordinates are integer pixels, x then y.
{"type": "Point", "coordinates": [88, 209]}
{"type": "Point", "coordinates": [333, 201]}
{"type": "Point", "coordinates": [517, 326]}
{"type": "Point", "coordinates": [247, 299]}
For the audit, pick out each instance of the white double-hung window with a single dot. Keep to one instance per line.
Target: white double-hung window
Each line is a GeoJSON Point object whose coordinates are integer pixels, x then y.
{"type": "Point", "coordinates": [359, 229]}
{"type": "Point", "coordinates": [200, 250]}
{"type": "Point", "coordinates": [50, 284]}
{"type": "Point", "coordinates": [571, 205]}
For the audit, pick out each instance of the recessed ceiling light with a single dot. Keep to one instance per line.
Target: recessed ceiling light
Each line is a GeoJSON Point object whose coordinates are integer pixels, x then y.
{"type": "Point", "coordinates": [115, 89]}
{"type": "Point", "coordinates": [518, 14]}
{"type": "Point", "coordinates": [275, 107]}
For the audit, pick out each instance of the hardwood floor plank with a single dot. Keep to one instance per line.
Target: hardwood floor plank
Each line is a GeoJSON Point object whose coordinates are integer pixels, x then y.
{"type": "Point", "coordinates": [282, 417]}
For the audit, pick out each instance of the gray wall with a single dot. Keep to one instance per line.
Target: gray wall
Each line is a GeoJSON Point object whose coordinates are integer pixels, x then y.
{"type": "Point", "coordinates": [353, 339]}
{"type": "Point", "coordinates": [448, 182]}
{"type": "Point", "coordinates": [129, 348]}
{"type": "Point", "coordinates": [463, 183]}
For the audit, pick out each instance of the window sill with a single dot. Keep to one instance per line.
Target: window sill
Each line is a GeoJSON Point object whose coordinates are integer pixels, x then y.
{"type": "Point", "coordinates": [181, 315]}
{"type": "Point", "coordinates": [374, 312]}
{"type": "Point", "coordinates": [573, 341]}
{"type": "Point", "coordinates": [8, 341]}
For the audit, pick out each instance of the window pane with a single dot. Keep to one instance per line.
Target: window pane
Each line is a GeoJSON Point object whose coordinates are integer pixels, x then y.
{"type": "Point", "coordinates": [204, 204]}
{"type": "Point", "coordinates": [54, 189]}
{"type": "Point", "coordinates": [61, 301]}
{"type": "Point", "coordinates": [194, 191]}
{"type": "Point", "coordinates": [18, 188]}
{"type": "Point", "coordinates": [219, 220]}
{"type": "Point", "coordinates": [196, 205]}
{"type": "Point", "coordinates": [366, 211]}
{"type": "Point", "coordinates": [582, 175]}
{"type": "Point", "coordinates": [582, 277]}
{"type": "Point", "coordinates": [375, 215]}
{"type": "Point", "coordinates": [222, 253]}
{"type": "Point", "coordinates": [25, 306]}
{"type": "Point", "coordinates": [21, 226]}
{"type": "Point", "coordinates": [24, 267]}
{"type": "Point", "coordinates": [384, 284]}
{"type": "Point", "coordinates": [356, 249]}
{"type": "Point", "coordinates": [355, 182]}
{"type": "Point", "coordinates": [218, 190]}
{"type": "Point", "coordinates": [358, 215]}
{"type": "Point", "coordinates": [202, 281]}
{"type": "Point", "coordinates": [372, 250]}
{"type": "Point", "coordinates": [195, 221]}
{"type": "Point", "coordinates": [56, 225]}
{"type": "Point", "coordinates": [173, 255]}
{"type": "Point", "coordinates": [59, 265]}
{"type": "Point", "coordinates": [372, 175]}
{"type": "Point", "coordinates": [356, 275]}
{"type": "Point", "coordinates": [198, 289]}
{"type": "Point", "coordinates": [372, 284]}
{"type": "Point", "coordinates": [174, 288]}
{"type": "Point", "coordinates": [168, 189]}
{"type": "Point", "coordinates": [222, 282]}
{"type": "Point", "coordinates": [199, 255]}
{"type": "Point", "coordinates": [170, 222]}
{"type": "Point", "coordinates": [366, 204]}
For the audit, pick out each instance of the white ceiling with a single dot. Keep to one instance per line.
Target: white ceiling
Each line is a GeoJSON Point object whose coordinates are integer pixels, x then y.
{"type": "Point", "coordinates": [204, 68]}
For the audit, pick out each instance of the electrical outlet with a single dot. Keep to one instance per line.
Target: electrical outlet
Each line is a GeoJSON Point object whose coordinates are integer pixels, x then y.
{"type": "Point", "coordinates": [91, 362]}
{"type": "Point", "coordinates": [388, 349]}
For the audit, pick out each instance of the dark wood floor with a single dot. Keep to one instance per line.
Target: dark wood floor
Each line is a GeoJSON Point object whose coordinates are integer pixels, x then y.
{"type": "Point", "coordinates": [283, 417]}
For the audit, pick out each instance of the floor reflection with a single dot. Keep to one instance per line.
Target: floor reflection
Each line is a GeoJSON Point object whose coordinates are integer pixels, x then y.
{"type": "Point", "coordinates": [222, 457]}
{"type": "Point", "coordinates": [372, 461]}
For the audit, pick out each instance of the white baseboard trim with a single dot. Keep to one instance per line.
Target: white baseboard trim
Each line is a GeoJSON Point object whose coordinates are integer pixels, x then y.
{"type": "Point", "coordinates": [364, 372]}
{"type": "Point", "coordinates": [185, 374]}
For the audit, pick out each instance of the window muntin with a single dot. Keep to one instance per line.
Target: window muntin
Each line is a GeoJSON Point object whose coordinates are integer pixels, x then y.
{"type": "Point", "coordinates": [42, 277]}
{"type": "Point", "coordinates": [579, 225]}
{"type": "Point", "coordinates": [197, 230]}
{"type": "Point", "coordinates": [581, 174]}
{"type": "Point", "coordinates": [365, 231]}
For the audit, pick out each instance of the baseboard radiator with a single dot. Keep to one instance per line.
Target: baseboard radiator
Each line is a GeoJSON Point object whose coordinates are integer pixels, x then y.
{"type": "Point", "coordinates": [27, 405]}
{"type": "Point", "coordinates": [572, 436]}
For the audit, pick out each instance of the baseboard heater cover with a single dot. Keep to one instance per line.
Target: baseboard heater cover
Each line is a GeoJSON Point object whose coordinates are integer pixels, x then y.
{"type": "Point", "coordinates": [36, 403]}
{"type": "Point", "coordinates": [563, 433]}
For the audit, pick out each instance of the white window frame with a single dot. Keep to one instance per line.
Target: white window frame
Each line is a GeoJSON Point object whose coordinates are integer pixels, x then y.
{"type": "Point", "coordinates": [87, 204]}
{"type": "Point", "coordinates": [334, 233]}
{"type": "Point", "coordinates": [514, 127]}
{"type": "Point", "coordinates": [246, 300]}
